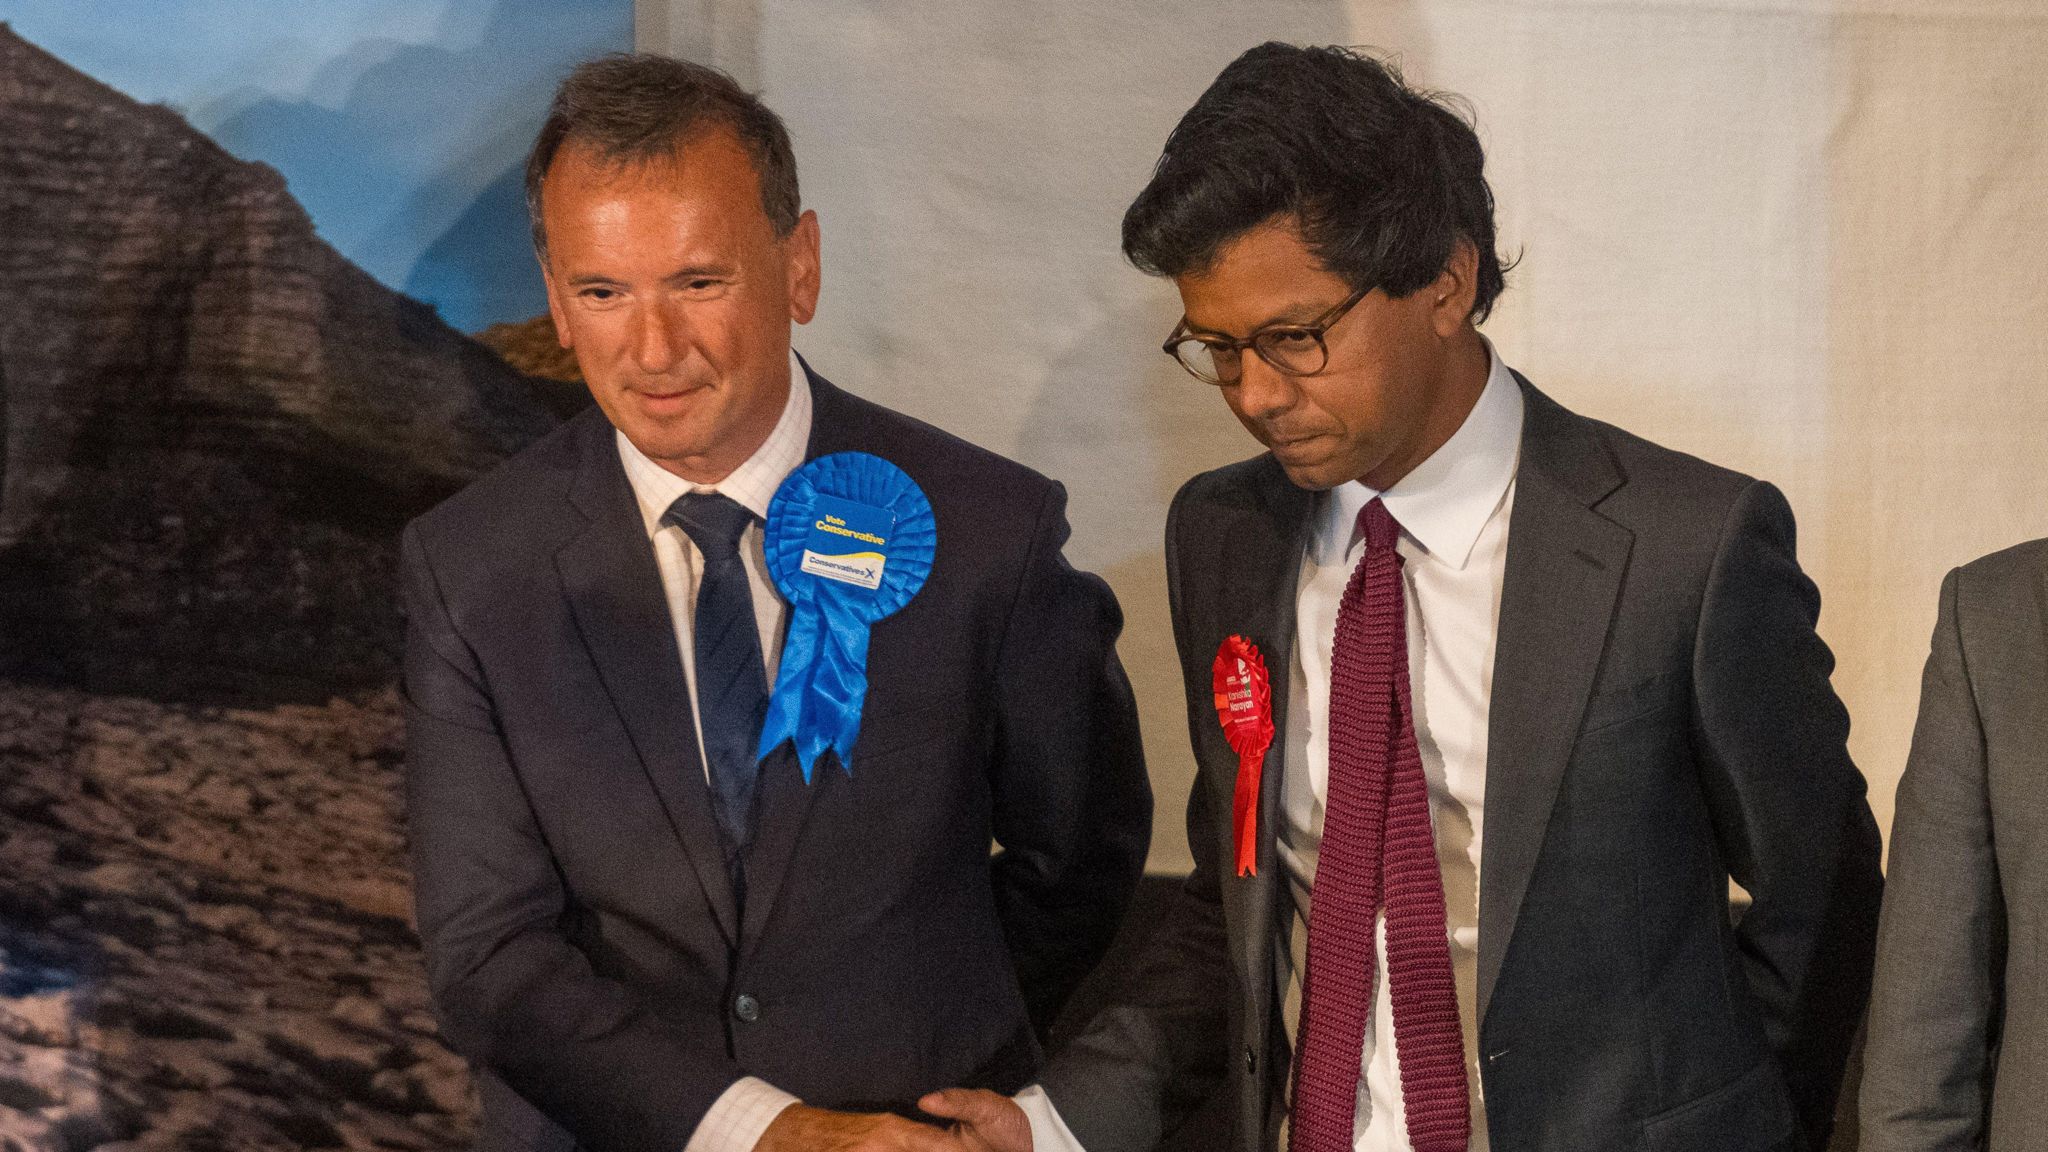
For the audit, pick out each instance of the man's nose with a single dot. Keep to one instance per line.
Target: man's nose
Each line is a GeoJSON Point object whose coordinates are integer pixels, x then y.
{"type": "Point", "coordinates": [1262, 391]}
{"type": "Point", "coordinates": [656, 341]}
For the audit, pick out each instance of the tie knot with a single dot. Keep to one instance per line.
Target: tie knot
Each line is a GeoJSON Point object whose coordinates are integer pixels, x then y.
{"type": "Point", "coordinates": [712, 520]}
{"type": "Point", "coordinates": [1378, 526]}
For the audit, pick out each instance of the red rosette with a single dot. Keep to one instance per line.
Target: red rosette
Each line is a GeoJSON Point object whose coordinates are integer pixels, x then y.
{"type": "Point", "coordinates": [1244, 705]}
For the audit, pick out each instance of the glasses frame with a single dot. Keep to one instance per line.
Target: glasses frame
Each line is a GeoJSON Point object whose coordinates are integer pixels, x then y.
{"type": "Point", "coordinates": [1315, 329]}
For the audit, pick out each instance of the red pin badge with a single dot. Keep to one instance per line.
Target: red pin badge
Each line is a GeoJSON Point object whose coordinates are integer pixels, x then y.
{"type": "Point", "coordinates": [1244, 705]}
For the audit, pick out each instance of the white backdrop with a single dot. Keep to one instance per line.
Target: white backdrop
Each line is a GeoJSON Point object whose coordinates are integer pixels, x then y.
{"type": "Point", "coordinates": [1801, 238]}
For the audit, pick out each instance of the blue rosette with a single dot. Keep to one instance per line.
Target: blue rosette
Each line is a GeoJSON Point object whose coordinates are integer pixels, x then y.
{"type": "Point", "coordinates": [849, 540]}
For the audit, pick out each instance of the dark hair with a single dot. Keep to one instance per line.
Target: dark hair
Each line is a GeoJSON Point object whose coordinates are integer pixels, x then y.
{"type": "Point", "coordinates": [1382, 178]}
{"type": "Point", "coordinates": [634, 106]}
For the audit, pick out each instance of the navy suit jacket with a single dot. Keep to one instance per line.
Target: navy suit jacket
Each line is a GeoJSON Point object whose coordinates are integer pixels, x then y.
{"type": "Point", "coordinates": [582, 944]}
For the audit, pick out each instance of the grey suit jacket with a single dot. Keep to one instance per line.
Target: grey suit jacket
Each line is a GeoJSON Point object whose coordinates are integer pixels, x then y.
{"type": "Point", "coordinates": [1661, 720]}
{"type": "Point", "coordinates": [1958, 1053]}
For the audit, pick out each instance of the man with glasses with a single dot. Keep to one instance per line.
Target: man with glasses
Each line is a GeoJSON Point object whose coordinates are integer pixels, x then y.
{"type": "Point", "coordinates": [1536, 691]}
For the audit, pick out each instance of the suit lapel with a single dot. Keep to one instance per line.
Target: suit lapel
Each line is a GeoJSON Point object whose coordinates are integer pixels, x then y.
{"type": "Point", "coordinates": [1563, 574]}
{"type": "Point", "coordinates": [783, 801]}
{"type": "Point", "coordinates": [1258, 555]}
{"type": "Point", "coordinates": [614, 590]}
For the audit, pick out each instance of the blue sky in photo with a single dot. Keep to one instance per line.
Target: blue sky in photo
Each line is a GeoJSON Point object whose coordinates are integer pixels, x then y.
{"type": "Point", "coordinates": [400, 125]}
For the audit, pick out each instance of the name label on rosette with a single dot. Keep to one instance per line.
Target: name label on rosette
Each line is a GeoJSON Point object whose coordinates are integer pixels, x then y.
{"type": "Point", "coordinates": [849, 542]}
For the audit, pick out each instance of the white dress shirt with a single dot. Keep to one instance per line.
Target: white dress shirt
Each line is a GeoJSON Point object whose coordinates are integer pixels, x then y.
{"type": "Point", "coordinates": [744, 1111]}
{"type": "Point", "coordinates": [1453, 510]}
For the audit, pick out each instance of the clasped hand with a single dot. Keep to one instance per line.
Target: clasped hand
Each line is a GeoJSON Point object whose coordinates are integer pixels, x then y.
{"type": "Point", "coordinates": [982, 1122]}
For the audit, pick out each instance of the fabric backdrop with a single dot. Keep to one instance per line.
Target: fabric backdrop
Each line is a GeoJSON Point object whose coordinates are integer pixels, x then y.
{"type": "Point", "coordinates": [1801, 238]}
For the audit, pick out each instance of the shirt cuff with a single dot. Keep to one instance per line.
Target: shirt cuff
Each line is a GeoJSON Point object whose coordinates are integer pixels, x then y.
{"type": "Point", "coordinates": [1049, 1133]}
{"type": "Point", "coordinates": [739, 1116]}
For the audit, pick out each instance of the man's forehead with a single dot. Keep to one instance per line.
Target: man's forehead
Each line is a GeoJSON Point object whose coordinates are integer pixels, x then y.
{"type": "Point", "coordinates": [1267, 275]}
{"type": "Point", "coordinates": [685, 159]}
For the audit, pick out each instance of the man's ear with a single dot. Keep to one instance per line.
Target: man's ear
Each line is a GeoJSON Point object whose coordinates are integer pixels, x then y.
{"type": "Point", "coordinates": [1455, 289]}
{"type": "Point", "coordinates": [800, 251]}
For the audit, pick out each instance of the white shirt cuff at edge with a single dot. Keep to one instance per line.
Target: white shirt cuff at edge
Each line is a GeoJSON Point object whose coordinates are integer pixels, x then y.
{"type": "Point", "coordinates": [1049, 1133]}
{"type": "Point", "coordinates": [739, 1116]}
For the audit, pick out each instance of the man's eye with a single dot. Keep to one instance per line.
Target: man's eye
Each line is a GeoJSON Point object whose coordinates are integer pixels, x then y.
{"type": "Point", "coordinates": [1288, 339]}
{"type": "Point", "coordinates": [701, 285]}
{"type": "Point", "coordinates": [600, 295]}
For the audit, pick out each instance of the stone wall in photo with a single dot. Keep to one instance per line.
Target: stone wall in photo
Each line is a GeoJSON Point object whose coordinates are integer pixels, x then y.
{"type": "Point", "coordinates": [212, 428]}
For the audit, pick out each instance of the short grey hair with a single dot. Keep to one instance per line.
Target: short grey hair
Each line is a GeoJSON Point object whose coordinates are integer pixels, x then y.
{"type": "Point", "coordinates": [635, 106]}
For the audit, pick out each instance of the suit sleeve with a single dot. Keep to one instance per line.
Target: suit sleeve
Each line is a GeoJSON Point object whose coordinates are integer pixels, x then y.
{"type": "Point", "coordinates": [514, 996]}
{"type": "Point", "coordinates": [1072, 804]}
{"type": "Point", "coordinates": [1787, 804]}
{"type": "Point", "coordinates": [1161, 1047]}
{"type": "Point", "coordinates": [1935, 1009]}
{"type": "Point", "coordinates": [1150, 1058]}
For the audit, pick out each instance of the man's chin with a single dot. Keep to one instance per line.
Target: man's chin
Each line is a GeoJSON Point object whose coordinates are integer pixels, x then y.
{"type": "Point", "coordinates": [1315, 476]}
{"type": "Point", "coordinates": [665, 446]}
{"type": "Point", "coordinates": [661, 430]}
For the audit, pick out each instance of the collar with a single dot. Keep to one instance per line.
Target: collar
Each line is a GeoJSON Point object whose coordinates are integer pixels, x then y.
{"type": "Point", "coordinates": [1447, 499]}
{"type": "Point", "coordinates": [752, 484]}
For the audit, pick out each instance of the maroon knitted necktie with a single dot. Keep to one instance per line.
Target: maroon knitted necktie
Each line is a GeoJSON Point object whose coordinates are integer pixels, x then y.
{"type": "Point", "coordinates": [1377, 848]}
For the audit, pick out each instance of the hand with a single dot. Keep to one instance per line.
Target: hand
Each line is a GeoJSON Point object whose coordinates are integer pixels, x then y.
{"type": "Point", "coordinates": [800, 1128]}
{"type": "Point", "coordinates": [985, 1119]}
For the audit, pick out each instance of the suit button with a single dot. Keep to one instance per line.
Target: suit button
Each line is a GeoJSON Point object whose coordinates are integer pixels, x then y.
{"type": "Point", "coordinates": [1251, 1061]}
{"type": "Point", "coordinates": [746, 1008]}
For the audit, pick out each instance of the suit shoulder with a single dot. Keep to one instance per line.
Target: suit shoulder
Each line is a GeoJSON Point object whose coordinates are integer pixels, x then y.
{"type": "Point", "coordinates": [2020, 571]}
{"type": "Point", "coordinates": [1675, 497]}
{"type": "Point", "coordinates": [1671, 473]}
{"type": "Point", "coordinates": [499, 505]}
{"type": "Point", "coordinates": [947, 467]}
{"type": "Point", "coordinates": [1232, 486]}
{"type": "Point", "coordinates": [1997, 608]}
{"type": "Point", "coordinates": [2022, 564]}
{"type": "Point", "coordinates": [1680, 508]}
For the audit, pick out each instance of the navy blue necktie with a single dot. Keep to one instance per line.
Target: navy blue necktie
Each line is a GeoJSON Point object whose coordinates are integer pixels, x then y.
{"type": "Point", "coordinates": [732, 681]}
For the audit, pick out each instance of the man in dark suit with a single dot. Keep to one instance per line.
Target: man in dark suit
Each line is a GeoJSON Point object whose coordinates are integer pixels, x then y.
{"type": "Point", "coordinates": [1538, 690]}
{"type": "Point", "coordinates": [1958, 1053]}
{"type": "Point", "coordinates": [640, 936]}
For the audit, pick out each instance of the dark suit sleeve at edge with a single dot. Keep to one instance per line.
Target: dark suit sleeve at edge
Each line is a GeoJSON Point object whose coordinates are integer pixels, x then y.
{"type": "Point", "coordinates": [513, 995]}
{"type": "Point", "coordinates": [1161, 1046]}
{"type": "Point", "coordinates": [1934, 1011]}
{"type": "Point", "coordinates": [1787, 804]}
{"type": "Point", "coordinates": [1072, 804]}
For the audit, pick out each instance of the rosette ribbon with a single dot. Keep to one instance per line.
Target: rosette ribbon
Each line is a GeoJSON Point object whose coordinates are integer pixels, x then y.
{"type": "Point", "coordinates": [1244, 706]}
{"type": "Point", "coordinates": [823, 680]}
